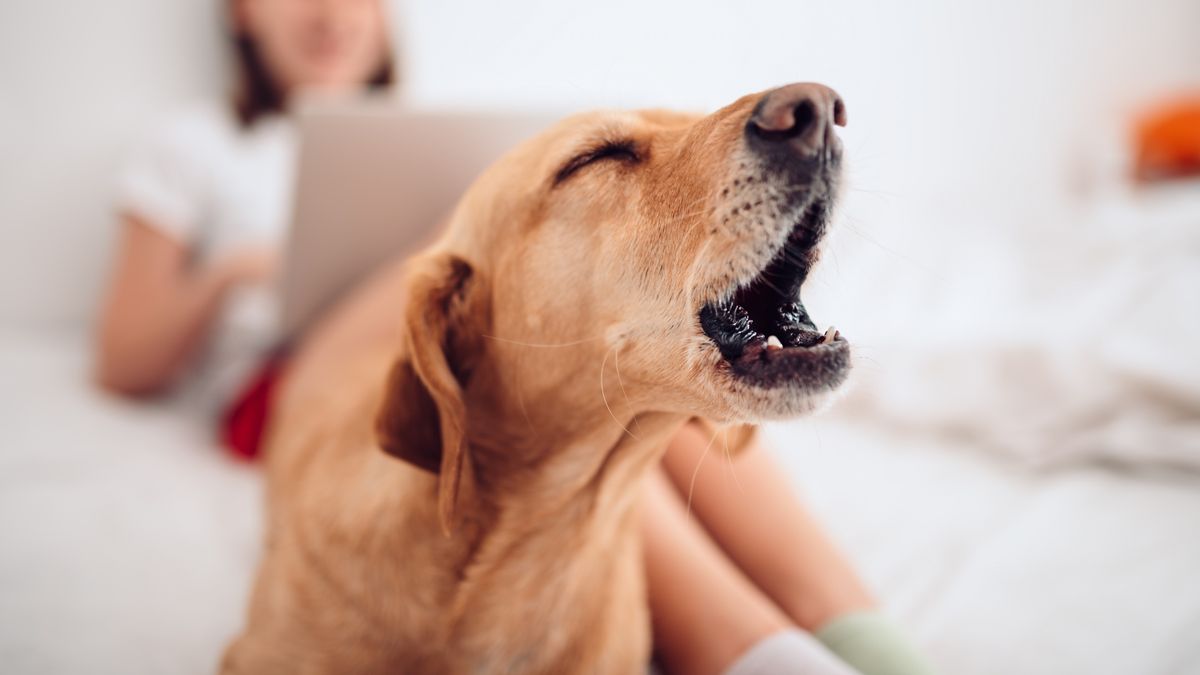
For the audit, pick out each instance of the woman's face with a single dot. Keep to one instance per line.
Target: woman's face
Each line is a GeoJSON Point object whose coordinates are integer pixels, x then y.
{"type": "Point", "coordinates": [316, 44]}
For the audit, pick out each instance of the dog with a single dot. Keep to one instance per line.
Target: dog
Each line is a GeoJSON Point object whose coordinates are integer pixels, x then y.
{"type": "Point", "coordinates": [467, 502]}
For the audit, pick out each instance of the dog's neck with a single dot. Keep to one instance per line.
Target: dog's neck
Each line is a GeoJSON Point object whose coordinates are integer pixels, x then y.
{"type": "Point", "coordinates": [599, 467]}
{"type": "Point", "coordinates": [525, 451]}
{"type": "Point", "coordinates": [566, 480]}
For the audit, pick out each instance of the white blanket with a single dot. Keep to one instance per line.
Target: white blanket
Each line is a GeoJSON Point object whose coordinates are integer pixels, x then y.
{"type": "Point", "coordinates": [1072, 343]}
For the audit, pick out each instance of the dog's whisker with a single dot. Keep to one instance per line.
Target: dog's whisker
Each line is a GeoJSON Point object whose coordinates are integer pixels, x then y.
{"type": "Point", "coordinates": [695, 224]}
{"type": "Point", "coordinates": [604, 396]}
{"type": "Point", "coordinates": [696, 472]}
{"type": "Point", "coordinates": [684, 216]}
{"type": "Point", "coordinates": [729, 459]}
{"type": "Point", "coordinates": [767, 281]}
{"type": "Point", "coordinates": [794, 257]}
{"type": "Point", "coordinates": [727, 463]}
{"type": "Point", "coordinates": [887, 249]}
{"type": "Point", "coordinates": [617, 367]}
{"type": "Point", "coordinates": [874, 191]}
{"type": "Point", "coordinates": [693, 270]}
{"type": "Point", "coordinates": [525, 411]}
{"type": "Point", "coordinates": [680, 216]}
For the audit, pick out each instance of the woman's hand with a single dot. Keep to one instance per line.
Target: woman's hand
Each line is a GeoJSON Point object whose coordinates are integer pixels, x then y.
{"type": "Point", "coordinates": [249, 266]}
{"type": "Point", "coordinates": [159, 308]}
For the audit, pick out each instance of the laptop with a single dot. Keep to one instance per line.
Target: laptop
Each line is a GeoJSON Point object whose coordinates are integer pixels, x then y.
{"type": "Point", "coordinates": [374, 179]}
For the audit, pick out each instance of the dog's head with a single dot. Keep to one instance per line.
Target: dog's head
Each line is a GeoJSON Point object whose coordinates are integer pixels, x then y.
{"type": "Point", "coordinates": [651, 261]}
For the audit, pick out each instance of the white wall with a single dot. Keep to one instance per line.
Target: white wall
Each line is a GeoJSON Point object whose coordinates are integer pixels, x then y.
{"type": "Point", "coordinates": [79, 81]}
{"type": "Point", "coordinates": [954, 106]}
{"type": "Point", "coordinates": [969, 92]}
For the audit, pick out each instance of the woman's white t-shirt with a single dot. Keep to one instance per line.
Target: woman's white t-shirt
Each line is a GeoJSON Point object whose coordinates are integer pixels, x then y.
{"type": "Point", "coordinates": [217, 187]}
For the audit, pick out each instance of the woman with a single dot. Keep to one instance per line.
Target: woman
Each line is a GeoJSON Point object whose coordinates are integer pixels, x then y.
{"type": "Point", "coordinates": [203, 214]}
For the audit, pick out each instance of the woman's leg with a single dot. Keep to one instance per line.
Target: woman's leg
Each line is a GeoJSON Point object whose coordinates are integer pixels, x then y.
{"type": "Point", "coordinates": [704, 610]}
{"type": "Point", "coordinates": [757, 520]}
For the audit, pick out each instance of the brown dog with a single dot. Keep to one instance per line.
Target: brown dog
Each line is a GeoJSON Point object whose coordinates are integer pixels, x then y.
{"type": "Point", "coordinates": [595, 289]}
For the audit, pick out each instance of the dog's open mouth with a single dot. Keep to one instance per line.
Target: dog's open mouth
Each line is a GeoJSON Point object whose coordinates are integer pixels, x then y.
{"type": "Point", "coordinates": [764, 332]}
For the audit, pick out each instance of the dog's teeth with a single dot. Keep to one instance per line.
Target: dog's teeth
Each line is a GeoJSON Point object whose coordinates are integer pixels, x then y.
{"type": "Point", "coordinates": [830, 335]}
{"type": "Point", "coordinates": [774, 343]}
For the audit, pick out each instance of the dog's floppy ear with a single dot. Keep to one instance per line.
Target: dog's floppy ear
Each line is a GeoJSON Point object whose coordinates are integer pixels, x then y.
{"type": "Point", "coordinates": [424, 419]}
{"type": "Point", "coordinates": [731, 438]}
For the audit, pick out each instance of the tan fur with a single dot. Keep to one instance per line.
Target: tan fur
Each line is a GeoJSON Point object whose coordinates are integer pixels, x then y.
{"type": "Point", "coordinates": [550, 350]}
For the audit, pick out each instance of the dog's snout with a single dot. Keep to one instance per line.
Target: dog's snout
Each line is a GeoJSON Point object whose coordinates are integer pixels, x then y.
{"type": "Point", "coordinates": [796, 122]}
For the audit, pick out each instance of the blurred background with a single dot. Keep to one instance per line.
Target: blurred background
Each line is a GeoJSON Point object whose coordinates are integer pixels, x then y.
{"type": "Point", "coordinates": [1017, 469]}
{"type": "Point", "coordinates": [1000, 111]}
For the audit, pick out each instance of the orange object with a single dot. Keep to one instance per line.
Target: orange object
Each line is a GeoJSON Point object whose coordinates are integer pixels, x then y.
{"type": "Point", "coordinates": [1167, 140]}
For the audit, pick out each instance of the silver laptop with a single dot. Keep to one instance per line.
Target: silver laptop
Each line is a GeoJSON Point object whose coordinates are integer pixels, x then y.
{"type": "Point", "coordinates": [374, 179]}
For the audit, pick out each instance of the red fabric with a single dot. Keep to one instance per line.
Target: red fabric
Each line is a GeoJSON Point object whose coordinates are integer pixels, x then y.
{"type": "Point", "coordinates": [245, 421]}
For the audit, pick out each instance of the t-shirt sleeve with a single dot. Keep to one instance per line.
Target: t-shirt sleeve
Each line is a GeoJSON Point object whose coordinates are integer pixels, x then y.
{"type": "Point", "coordinates": [165, 181]}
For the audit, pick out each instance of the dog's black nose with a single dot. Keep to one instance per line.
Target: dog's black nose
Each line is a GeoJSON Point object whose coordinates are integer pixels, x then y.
{"type": "Point", "coordinates": [796, 122]}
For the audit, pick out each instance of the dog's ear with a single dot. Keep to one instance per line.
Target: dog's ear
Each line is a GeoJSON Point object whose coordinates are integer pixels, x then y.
{"type": "Point", "coordinates": [727, 438]}
{"type": "Point", "coordinates": [424, 419]}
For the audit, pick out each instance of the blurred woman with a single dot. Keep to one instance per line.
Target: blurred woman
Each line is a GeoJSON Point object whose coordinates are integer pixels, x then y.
{"type": "Point", "coordinates": [203, 206]}
{"type": "Point", "coordinates": [203, 209]}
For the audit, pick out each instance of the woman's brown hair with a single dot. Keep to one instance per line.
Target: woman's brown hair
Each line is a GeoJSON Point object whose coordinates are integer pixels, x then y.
{"type": "Point", "coordinates": [257, 94]}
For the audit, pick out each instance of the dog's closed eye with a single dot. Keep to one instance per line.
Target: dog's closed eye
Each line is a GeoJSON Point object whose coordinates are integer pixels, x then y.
{"type": "Point", "coordinates": [622, 150]}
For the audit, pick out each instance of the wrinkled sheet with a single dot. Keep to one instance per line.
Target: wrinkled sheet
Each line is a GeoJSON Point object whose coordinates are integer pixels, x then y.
{"type": "Point", "coordinates": [1067, 343]}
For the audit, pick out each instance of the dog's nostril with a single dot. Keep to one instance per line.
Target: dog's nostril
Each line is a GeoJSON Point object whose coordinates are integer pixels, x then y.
{"type": "Point", "coordinates": [805, 115]}
{"type": "Point", "coordinates": [839, 112]}
{"type": "Point", "coordinates": [796, 122]}
{"type": "Point", "coordinates": [785, 124]}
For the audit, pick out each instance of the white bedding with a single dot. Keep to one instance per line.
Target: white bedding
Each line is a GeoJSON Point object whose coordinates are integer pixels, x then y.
{"type": "Point", "coordinates": [127, 540]}
{"type": "Point", "coordinates": [1071, 343]}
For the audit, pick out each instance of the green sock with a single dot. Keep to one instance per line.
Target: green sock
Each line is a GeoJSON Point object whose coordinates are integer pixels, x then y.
{"type": "Point", "coordinates": [873, 645]}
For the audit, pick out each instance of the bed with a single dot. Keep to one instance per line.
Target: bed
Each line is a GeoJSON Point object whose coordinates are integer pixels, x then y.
{"type": "Point", "coordinates": [128, 540]}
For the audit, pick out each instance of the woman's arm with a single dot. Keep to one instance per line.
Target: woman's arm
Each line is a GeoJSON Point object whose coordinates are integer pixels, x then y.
{"type": "Point", "coordinates": [159, 306]}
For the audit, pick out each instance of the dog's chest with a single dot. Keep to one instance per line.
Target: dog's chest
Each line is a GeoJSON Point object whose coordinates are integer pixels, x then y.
{"type": "Point", "coordinates": [551, 614]}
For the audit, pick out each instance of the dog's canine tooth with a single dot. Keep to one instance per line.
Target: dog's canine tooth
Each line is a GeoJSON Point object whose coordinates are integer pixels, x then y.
{"type": "Point", "coordinates": [774, 343]}
{"type": "Point", "coordinates": [830, 335]}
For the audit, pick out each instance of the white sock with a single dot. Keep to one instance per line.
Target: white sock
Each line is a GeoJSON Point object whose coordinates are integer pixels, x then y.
{"type": "Point", "coordinates": [789, 652]}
